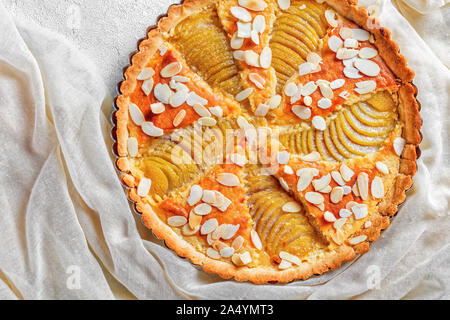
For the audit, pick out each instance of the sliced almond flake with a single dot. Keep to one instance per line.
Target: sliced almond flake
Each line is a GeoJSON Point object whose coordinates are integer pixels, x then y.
{"type": "Point", "coordinates": [244, 29]}
{"type": "Point", "coordinates": [201, 110]}
{"type": "Point", "coordinates": [188, 231]}
{"type": "Point", "coordinates": [179, 118]}
{"type": "Point", "coordinates": [225, 204]}
{"type": "Point", "coordinates": [330, 16]}
{"type": "Point", "coordinates": [296, 97]}
{"type": "Point", "coordinates": [358, 239]}
{"type": "Point", "coordinates": [367, 53]}
{"type": "Point", "coordinates": [339, 223]}
{"type": "Point", "coordinates": [146, 73]}
{"type": "Point", "coordinates": [195, 195]}
{"type": "Point", "coordinates": [202, 209]}
{"type": "Point", "coordinates": [302, 112]}
{"type": "Point", "coordinates": [216, 234]}
{"type": "Point", "coordinates": [351, 43]}
{"type": "Point", "coordinates": [364, 87]}
{"type": "Point", "coordinates": [329, 217]}
{"type": "Point", "coordinates": [355, 189]}
{"type": "Point", "coordinates": [307, 101]}
{"type": "Point", "coordinates": [151, 130]}
{"type": "Point", "coordinates": [349, 62]}
{"type": "Point", "coordinates": [261, 110]}
{"type": "Point", "coordinates": [305, 68]}
{"type": "Point", "coordinates": [360, 34]}
{"type": "Point", "coordinates": [326, 91]}
{"type": "Point", "coordinates": [367, 224]}
{"type": "Point", "coordinates": [334, 43]}
{"type": "Point", "coordinates": [382, 167]}
{"type": "Point", "coordinates": [350, 204]}
{"type": "Point", "coordinates": [305, 177]}
{"type": "Point", "coordinates": [314, 197]}
{"type": "Point", "coordinates": [209, 196]}
{"type": "Point", "coordinates": [255, 37]}
{"type": "Point", "coordinates": [321, 206]}
{"type": "Point", "coordinates": [259, 24]}
{"type": "Point", "coordinates": [367, 67]}
{"type": "Point", "coordinates": [216, 111]}
{"type": "Point", "coordinates": [290, 257]}
{"type": "Point", "coordinates": [157, 107]}
{"type": "Point", "coordinates": [257, 80]}
{"type": "Point", "coordinates": [230, 231]}
{"type": "Point", "coordinates": [321, 182]}
{"type": "Point", "coordinates": [359, 211]}
{"type": "Point", "coordinates": [377, 188]}
{"type": "Point", "coordinates": [176, 221]}
{"type": "Point", "coordinates": [227, 252]}
{"type": "Point", "coordinates": [346, 173]}
{"type": "Point", "coordinates": [265, 59]}
{"type": "Point", "coordinates": [132, 146]}
{"type": "Point", "coordinates": [136, 114]}
{"type": "Point", "coordinates": [207, 121]}
{"type": "Point", "coordinates": [347, 190]}
{"type": "Point", "coordinates": [228, 179]}
{"type": "Point", "coordinates": [256, 240]}
{"type": "Point", "coordinates": [181, 79]}
{"type": "Point", "coordinates": [236, 42]}
{"type": "Point", "coordinates": [244, 94]}
{"type": "Point", "coordinates": [346, 33]}
{"type": "Point", "coordinates": [290, 89]}
{"type": "Point", "coordinates": [212, 253]}
{"type": "Point", "coordinates": [144, 187]}
{"type": "Point", "coordinates": [284, 4]}
{"type": "Point", "coordinates": [194, 220]}
{"type": "Point", "coordinates": [241, 14]}
{"type": "Point", "coordinates": [284, 184]}
{"type": "Point", "coordinates": [313, 58]}
{"type": "Point", "coordinates": [326, 189]}
{"type": "Point", "coordinates": [399, 145]}
{"type": "Point", "coordinates": [246, 258]}
{"type": "Point", "coordinates": [251, 58]}
{"type": "Point", "coordinates": [324, 103]}
{"type": "Point", "coordinates": [237, 243]}
{"type": "Point", "coordinates": [178, 98]}
{"type": "Point", "coordinates": [352, 73]}
{"type": "Point", "coordinates": [336, 194]}
{"type": "Point", "coordinates": [344, 53]}
{"type": "Point", "coordinates": [254, 5]}
{"type": "Point", "coordinates": [308, 88]}
{"type": "Point", "coordinates": [209, 226]}
{"type": "Point", "coordinates": [171, 69]}
{"type": "Point", "coordinates": [239, 55]}
{"type": "Point", "coordinates": [274, 102]}
{"type": "Point", "coordinates": [291, 207]}
{"type": "Point", "coordinates": [288, 170]}
{"type": "Point", "coordinates": [338, 178]}
{"type": "Point", "coordinates": [178, 86]}
{"type": "Point", "coordinates": [319, 123]}
{"type": "Point", "coordinates": [363, 185]}
{"type": "Point", "coordinates": [284, 264]}
{"type": "Point", "coordinates": [345, 213]}
{"type": "Point", "coordinates": [311, 157]}
{"type": "Point", "coordinates": [162, 92]}
{"type": "Point", "coordinates": [194, 98]}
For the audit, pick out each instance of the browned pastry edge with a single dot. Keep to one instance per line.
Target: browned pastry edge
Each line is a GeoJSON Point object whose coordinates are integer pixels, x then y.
{"type": "Point", "coordinates": [409, 115]}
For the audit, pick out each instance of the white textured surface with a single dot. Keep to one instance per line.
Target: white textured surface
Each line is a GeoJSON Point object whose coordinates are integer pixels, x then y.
{"type": "Point", "coordinates": [64, 212]}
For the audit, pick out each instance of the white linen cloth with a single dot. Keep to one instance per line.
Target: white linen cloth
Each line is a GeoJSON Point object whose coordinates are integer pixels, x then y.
{"type": "Point", "coordinates": [67, 228]}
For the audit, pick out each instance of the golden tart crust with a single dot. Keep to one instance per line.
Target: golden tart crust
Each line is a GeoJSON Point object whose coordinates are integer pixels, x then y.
{"type": "Point", "coordinates": [297, 233]}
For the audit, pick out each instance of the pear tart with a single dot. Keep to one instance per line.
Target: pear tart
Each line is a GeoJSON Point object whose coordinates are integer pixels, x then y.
{"type": "Point", "coordinates": [267, 140]}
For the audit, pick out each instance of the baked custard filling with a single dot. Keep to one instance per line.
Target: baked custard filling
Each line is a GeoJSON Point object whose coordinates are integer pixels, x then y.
{"type": "Point", "coordinates": [267, 140]}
